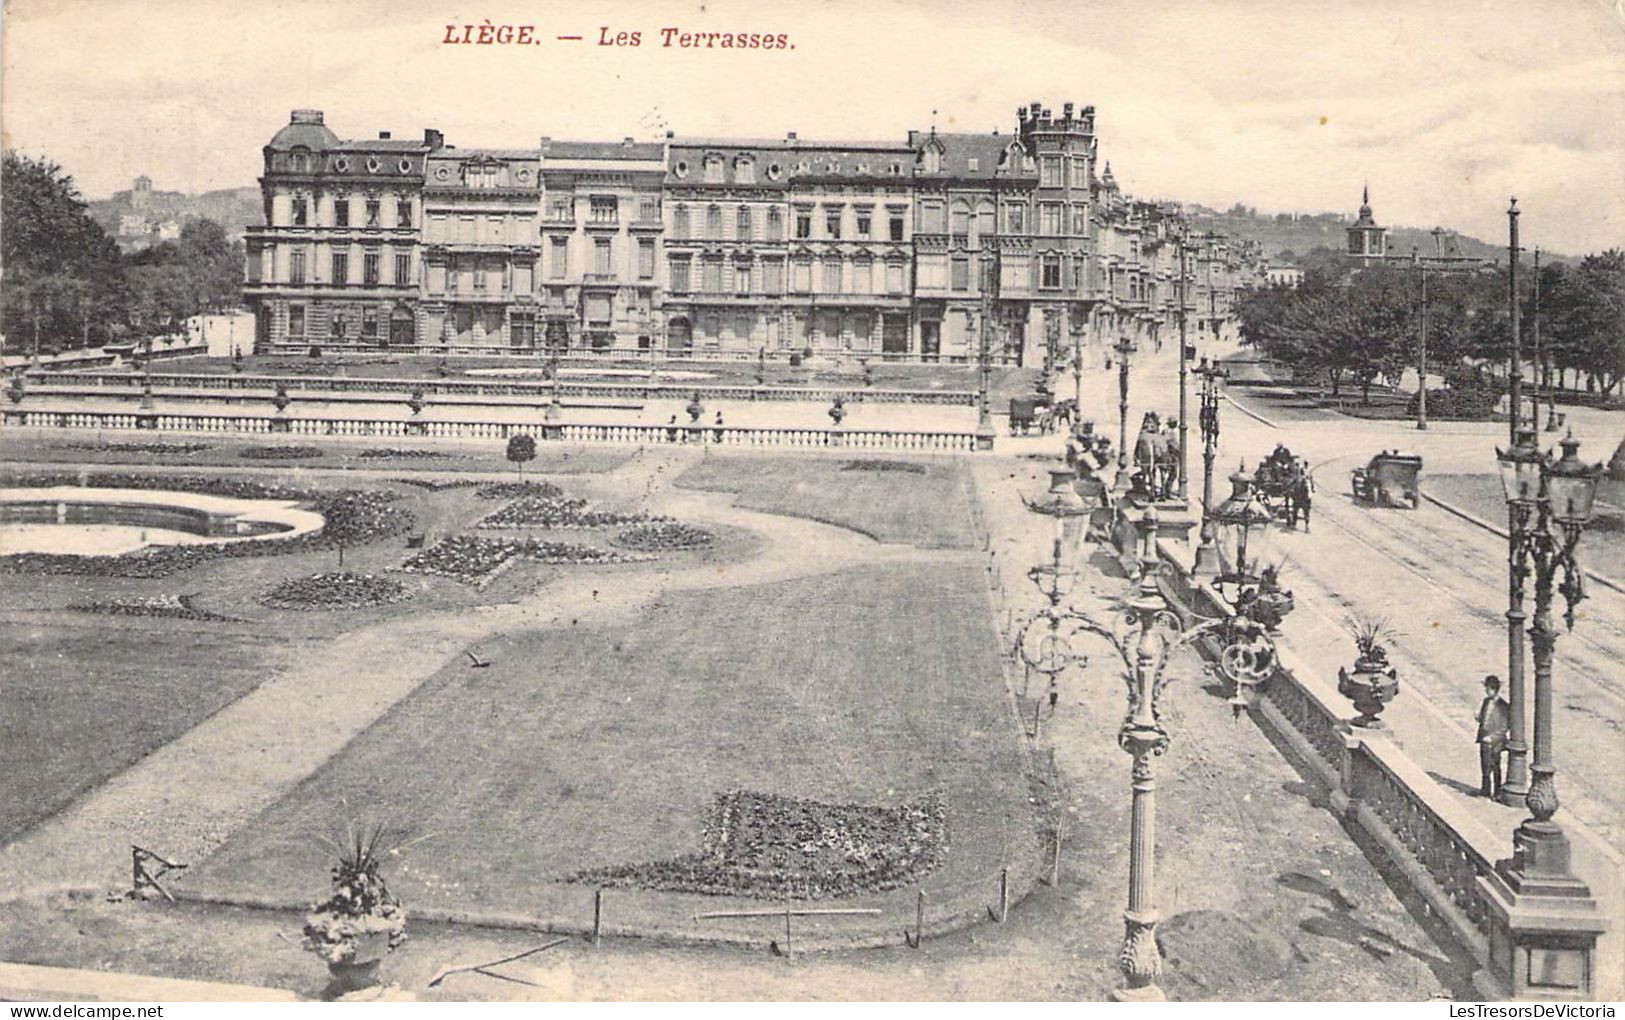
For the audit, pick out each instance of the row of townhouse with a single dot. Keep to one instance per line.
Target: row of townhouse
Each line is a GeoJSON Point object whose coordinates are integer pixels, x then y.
{"type": "Point", "coordinates": [925, 249]}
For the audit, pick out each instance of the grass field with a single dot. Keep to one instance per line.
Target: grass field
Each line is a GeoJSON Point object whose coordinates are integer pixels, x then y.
{"type": "Point", "coordinates": [931, 510]}
{"type": "Point", "coordinates": [607, 747]}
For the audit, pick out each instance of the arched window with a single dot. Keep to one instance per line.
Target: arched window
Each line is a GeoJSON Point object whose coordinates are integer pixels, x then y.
{"type": "Point", "coordinates": [959, 218]}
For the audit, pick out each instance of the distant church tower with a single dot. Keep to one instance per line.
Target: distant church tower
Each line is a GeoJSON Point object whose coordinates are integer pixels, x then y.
{"type": "Point", "coordinates": [141, 194]}
{"type": "Point", "coordinates": [1367, 242]}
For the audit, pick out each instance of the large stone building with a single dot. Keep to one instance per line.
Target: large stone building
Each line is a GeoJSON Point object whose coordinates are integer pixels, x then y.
{"type": "Point", "coordinates": [926, 249]}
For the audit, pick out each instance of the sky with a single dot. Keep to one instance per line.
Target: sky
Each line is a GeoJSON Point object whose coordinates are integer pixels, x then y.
{"type": "Point", "coordinates": [1446, 108]}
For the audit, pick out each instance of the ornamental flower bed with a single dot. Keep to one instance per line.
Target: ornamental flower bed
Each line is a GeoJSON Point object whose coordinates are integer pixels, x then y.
{"type": "Point", "coordinates": [771, 847]}
{"type": "Point", "coordinates": [279, 452]}
{"type": "Point", "coordinates": [556, 512]}
{"type": "Point", "coordinates": [179, 607]}
{"type": "Point", "coordinates": [664, 536]}
{"type": "Point", "coordinates": [386, 453]}
{"type": "Point", "coordinates": [908, 467]}
{"type": "Point", "coordinates": [338, 590]}
{"type": "Point", "coordinates": [158, 449]}
{"type": "Point", "coordinates": [516, 490]}
{"type": "Point", "coordinates": [353, 516]}
{"type": "Point", "coordinates": [208, 485]}
{"type": "Point", "coordinates": [475, 559]}
{"type": "Point", "coordinates": [437, 484]}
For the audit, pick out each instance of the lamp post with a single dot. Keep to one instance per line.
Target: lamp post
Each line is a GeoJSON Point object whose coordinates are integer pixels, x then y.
{"type": "Point", "coordinates": [1124, 348]}
{"type": "Point", "coordinates": [1545, 910]}
{"type": "Point", "coordinates": [1184, 357]}
{"type": "Point", "coordinates": [1211, 374]}
{"type": "Point", "coordinates": [1422, 349]}
{"type": "Point", "coordinates": [1052, 652]}
{"type": "Point", "coordinates": [1516, 786]}
{"type": "Point", "coordinates": [1240, 517]}
{"type": "Point", "coordinates": [984, 415]}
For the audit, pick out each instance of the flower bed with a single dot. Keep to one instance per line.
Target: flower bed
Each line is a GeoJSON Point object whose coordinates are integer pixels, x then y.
{"type": "Point", "coordinates": [772, 847]}
{"type": "Point", "coordinates": [279, 452]}
{"type": "Point", "coordinates": [353, 516]}
{"type": "Point", "coordinates": [556, 512]}
{"type": "Point", "coordinates": [385, 453]}
{"type": "Point", "coordinates": [664, 536]}
{"type": "Point", "coordinates": [178, 607]}
{"type": "Point", "coordinates": [208, 485]}
{"type": "Point", "coordinates": [515, 490]}
{"type": "Point", "coordinates": [475, 559]}
{"type": "Point", "coordinates": [158, 449]}
{"type": "Point", "coordinates": [870, 464]}
{"type": "Point", "coordinates": [437, 484]}
{"type": "Point", "coordinates": [338, 590]}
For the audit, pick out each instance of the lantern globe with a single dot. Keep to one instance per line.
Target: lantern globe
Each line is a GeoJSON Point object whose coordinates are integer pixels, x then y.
{"type": "Point", "coordinates": [1571, 485]}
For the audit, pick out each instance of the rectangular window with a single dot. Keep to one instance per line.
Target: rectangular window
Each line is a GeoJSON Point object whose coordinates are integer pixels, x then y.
{"type": "Point", "coordinates": [649, 209]}
{"type": "Point", "coordinates": [742, 223]}
{"type": "Point", "coordinates": [742, 278]}
{"type": "Point", "coordinates": [452, 274]}
{"type": "Point", "coordinates": [296, 267]}
{"type": "Point", "coordinates": [369, 322]}
{"type": "Point", "coordinates": [373, 207]}
{"type": "Point", "coordinates": [712, 276]}
{"type": "Point", "coordinates": [1049, 172]}
{"type": "Point", "coordinates": [742, 327]}
{"type": "Point", "coordinates": [561, 208]}
{"type": "Point", "coordinates": [1015, 218]}
{"type": "Point", "coordinates": [961, 274]}
{"type": "Point", "coordinates": [1051, 280]}
{"type": "Point", "coordinates": [602, 258]}
{"type": "Point", "coordinates": [773, 276]}
{"type": "Point", "coordinates": [296, 320]}
{"type": "Point", "coordinates": [1049, 218]}
{"type": "Point", "coordinates": [341, 268]}
{"type": "Point", "coordinates": [479, 277]}
{"type": "Point", "coordinates": [1080, 219]}
{"type": "Point", "coordinates": [465, 229]}
{"type": "Point", "coordinates": [559, 258]}
{"type": "Point", "coordinates": [863, 225]}
{"type": "Point", "coordinates": [598, 309]}
{"type": "Point", "coordinates": [803, 223]}
{"type": "Point", "coordinates": [403, 269]}
{"type": "Point", "coordinates": [775, 225]}
{"type": "Point", "coordinates": [604, 209]}
{"type": "Point", "coordinates": [679, 222]}
{"type": "Point", "coordinates": [679, 274]}
{"type": "Point", "coordinates": [1080, 172]}
{"type": "Point", "coordinates": [369, 269]}
{"type": "Point", "coordinates": [522, 329]}
{"type": "Point", "coordinates": [959, 219]}
{"type": "Point", "coordinates": [895, 281]}
{"type": "Point", "coordinates": [832, 276]}
{"type": "Point", "coordinates": [986, 222]}
{"type": "Point", "coordinates": [646, 259]}
{"type": "Point", "coordinates": [895, 226]}
{"type": "Point", "coordinates": [522, 282]}
{"type": "Point", "coordinates": [863, 276]}
{"type": "Point", "coordinates": [713, 223]}
{"type": "Point", "coordinates": [403, 213]}
{"type": "Point", "coordinates": [341, 213]}
{"type": "Point", "coordinates": [832, 223]}
{"type": "Point", "coordinates": [301, 212]}
{"type": "Point", "coordinates": [437, 229]}
{"type": "Point", "coordinates": [801, 276]}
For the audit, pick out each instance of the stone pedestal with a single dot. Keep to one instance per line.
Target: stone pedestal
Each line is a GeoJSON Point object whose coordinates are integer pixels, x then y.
{"type": "Point", "coordinates": [1544, 924]}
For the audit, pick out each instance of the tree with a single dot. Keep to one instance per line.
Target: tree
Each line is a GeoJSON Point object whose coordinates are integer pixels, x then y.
{"type": "Point", "coordinates": [521, 448]}
{"type": "Point", "coordinates": [59, 266]}
{"type": "Point", "coordinates": [1586, 309]}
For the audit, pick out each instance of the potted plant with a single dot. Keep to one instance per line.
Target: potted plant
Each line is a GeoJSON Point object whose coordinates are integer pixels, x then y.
{"type": "Point", "coordinates": [1271, 604]}
{"type": "Point", "coordinates": [355, 928]}
{"type": "Point", "coordinates": [1374, 682]}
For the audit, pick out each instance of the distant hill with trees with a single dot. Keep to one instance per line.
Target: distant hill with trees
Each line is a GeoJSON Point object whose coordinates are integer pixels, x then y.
{"type": "Point", "coordinates": [141, 216]}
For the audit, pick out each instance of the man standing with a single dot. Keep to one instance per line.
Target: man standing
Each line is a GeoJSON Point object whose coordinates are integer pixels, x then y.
{"type": "Point", "coordinates": [1493, 720]}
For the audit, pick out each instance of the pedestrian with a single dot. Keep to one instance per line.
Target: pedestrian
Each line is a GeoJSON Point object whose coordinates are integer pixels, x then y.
{"type": "Point", "coordinates": [1054, 693]}
{"type": "Point", "coordinates": [1494, 718]}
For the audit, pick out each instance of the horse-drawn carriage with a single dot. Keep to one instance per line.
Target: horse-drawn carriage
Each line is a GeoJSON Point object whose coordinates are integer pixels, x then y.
{"type": "Point", "coordinates": [1388, 480]}
{"type": "Point", "coordinates": [1285, 485]}
{"type": "Point", "coordinates": [1041, 411]}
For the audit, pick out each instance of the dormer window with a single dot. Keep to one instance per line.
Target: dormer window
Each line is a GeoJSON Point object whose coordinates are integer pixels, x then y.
{"type": "Point", "coordinates": [299, 161]}
{"type": "Point", "coordinates": [342, 164]}
{"type": "Point", "coordinates": [713, 169]}
{"type": "Point", "coordinates": [775, 171]}
{"type": "Point", "coordinates": [744, 171]}
{"type": "Point", "coordinates": [680, 168]}
{"type": "Point", "coordinates": [373, 164]}
{"type": "Point", "coordinates": [973, 164]}
{"type": "Point", "coordinates": [932, 157]}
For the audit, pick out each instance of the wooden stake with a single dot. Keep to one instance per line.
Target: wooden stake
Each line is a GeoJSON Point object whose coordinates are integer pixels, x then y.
{"type": "Point", "coordinates": [597, 916]}
{"type": "Point", "coordinates": [786, 933]}
{"type": "Point", "coordinates": [1004, 894]}
{"type": "Point", "coordinates": [919, 917]}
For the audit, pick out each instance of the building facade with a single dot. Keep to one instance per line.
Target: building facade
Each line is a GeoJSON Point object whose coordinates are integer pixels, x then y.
{"type": "Point", "coordinates": [926, 250]}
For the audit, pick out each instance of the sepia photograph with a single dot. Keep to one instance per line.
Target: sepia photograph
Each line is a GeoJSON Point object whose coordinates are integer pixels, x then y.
{"type": "Point", "coordinates": [907, 501]}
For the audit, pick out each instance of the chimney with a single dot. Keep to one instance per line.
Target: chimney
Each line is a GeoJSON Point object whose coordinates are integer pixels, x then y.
{"type": "Point", "coordinates": [433, 139]}
{"type": "Point", "coordinates": [1066, 110]}
{"type": "Point", "coordinates": [791, 137]}
{"type": "Point", "coordinates": [627, 141]}
{"type": "Point", "coordinates": [306, 117]}
{"type": "Point", "coordinates": [383, 136]}
{"type": "Point", "coordinates": [670, 134]}
{"type": "Point", "coordinates": [1021, 113]}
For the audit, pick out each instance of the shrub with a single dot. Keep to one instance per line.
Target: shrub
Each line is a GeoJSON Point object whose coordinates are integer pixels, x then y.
{"type": "Point", "coordinates": [279, 452]}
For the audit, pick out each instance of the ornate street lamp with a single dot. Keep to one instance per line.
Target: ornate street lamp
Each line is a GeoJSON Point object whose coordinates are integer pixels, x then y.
{"type": "Point", "coordinates": [1242, 519]}
{"type": "Point", "coordinates": [1212, 376]}
{"type": "Point", "coordinates": [985, 432]}
{"type": "Point", "coordinates": [1124, 348]}
{"type": "Point", "coordinates": [1552, 500]}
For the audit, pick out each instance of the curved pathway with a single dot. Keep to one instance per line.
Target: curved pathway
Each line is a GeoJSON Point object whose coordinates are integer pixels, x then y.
{"type": "Point", "coordinates": [187, 797]}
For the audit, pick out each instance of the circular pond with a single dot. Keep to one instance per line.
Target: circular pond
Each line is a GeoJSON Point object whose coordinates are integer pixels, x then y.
{"type": "Point", "coordinates": [75, 521]}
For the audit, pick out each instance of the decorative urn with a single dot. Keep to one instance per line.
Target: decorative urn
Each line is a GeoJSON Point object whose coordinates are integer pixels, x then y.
{"type": "Point", "coordinates": [695, 408]}
{"type": "Point", "coordinates": [280, 398]}
{"type": "Point", "coordinates": [837, 411]}
{"type": "Point", "coordinates": [1372, 685]}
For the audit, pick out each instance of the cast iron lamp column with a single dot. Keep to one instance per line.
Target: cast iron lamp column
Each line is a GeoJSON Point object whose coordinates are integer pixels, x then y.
{"type": "Point", "coordinates": [1143, 736]}
{"type": "Point", "coordinates": [1184, 357]}
{"type": "Point", "coordinates": [984, 416]}
{"type": "Point", "coordinates": [1554, 499]}
{"type": "Point", "coordinates": [1207, 560]}
{"type": "Point", "coordinates": [1124, 348]}
{"type": "Point", "coordinates": [1516, 786]}
{"type": "Point", "coordinates": [1422, 351]}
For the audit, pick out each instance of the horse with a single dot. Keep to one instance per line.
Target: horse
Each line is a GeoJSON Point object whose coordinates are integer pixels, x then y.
{"type": "Point", "coordinates": [1300, 495]}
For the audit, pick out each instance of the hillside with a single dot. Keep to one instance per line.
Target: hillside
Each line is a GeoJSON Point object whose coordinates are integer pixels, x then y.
{"type": "Point", "coordinates": [1288, 234]}
{"type": "Point", "coordinates": [134, 218]}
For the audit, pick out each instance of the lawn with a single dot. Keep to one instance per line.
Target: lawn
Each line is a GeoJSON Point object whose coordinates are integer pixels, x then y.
{"type": "Point", "coordinates": [920, 502]}
{"type": "Point", "coordinates": [597, 749]}
{"type": "Point", "coordinates": [1601, 550]}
